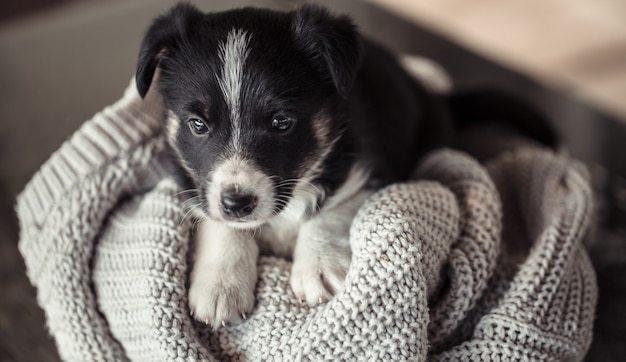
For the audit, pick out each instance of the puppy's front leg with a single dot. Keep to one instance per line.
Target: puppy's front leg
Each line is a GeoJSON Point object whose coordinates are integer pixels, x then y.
{"type": "Point", "coordinates": [224, 274]}
{"type": "Point", "coordinates": [322, 253]}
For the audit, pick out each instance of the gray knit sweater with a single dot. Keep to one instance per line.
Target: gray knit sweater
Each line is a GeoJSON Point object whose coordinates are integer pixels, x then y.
{"type": "Point", "coordinates": [466, 262]}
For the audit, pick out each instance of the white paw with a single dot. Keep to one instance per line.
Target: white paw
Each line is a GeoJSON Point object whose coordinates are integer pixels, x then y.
{"type": "Point", "coordinates": [221, 297]}
{"type": "Point", "coordinates": [317, 278]}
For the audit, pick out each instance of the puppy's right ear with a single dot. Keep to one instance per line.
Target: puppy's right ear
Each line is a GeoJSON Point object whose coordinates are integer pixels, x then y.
{"type": "Point", "coordinates": [332, 43]}
{"type": "Point", "coordinates": [165, 34]}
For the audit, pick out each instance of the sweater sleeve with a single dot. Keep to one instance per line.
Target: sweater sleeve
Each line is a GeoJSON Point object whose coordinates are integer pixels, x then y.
{"type": "Point", "coordinates": [63, 207]}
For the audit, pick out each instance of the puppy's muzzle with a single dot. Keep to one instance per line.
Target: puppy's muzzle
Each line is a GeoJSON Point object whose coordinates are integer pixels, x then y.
{"type": "Point", "coordinates": [237, 204]}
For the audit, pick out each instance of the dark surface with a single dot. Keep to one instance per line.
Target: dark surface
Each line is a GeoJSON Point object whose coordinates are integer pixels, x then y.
{"type": "Point", "coordinates": [10, 10]}
{"type": "Point", "coordinates": [58, 71]}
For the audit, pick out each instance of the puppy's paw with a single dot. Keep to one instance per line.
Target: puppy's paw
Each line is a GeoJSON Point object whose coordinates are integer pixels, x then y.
{"type": "Point", "coordinates": [316, 279]}
{"type": "Point", "coordinates": [218, 298]}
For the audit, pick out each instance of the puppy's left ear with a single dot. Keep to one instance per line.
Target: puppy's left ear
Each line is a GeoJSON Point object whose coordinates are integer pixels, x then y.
{"type": "Point", "coordinates": [332, 42]}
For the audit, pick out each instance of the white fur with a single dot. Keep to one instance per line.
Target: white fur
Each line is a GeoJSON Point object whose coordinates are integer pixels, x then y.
{"type": "Point", "coordinates": [322, 255]}
{"type": "Point", "coordinates": [278, 236]}
{"type": "Point", "coordinates": [326, 142]}
{"type": "Point", "coordinates": [244, 176]}
{"type": "Point", "coordinates": [224, 271]}
{"type": "Point", "coordinates": [233, 54]}
{"type": "Point", "coordinates": [173, 126]}
{"type": "Point", "coordinates": [224, 274]}
{"type": "Point", "coordinates": [429, 73]}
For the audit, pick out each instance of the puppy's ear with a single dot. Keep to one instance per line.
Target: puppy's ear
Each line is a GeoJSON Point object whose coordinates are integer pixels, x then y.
{"type": "Point", "coordinates": [332, 42]}
{"type": "Point", "coordinates": [164, 35]}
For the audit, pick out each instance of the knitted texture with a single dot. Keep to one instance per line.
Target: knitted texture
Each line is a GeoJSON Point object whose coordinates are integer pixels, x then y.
{"type": "Point", "coordinates": [466, 262]}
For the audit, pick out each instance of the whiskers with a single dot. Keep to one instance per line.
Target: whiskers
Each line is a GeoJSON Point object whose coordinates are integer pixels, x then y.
{"type": "Point", "coordinates": [300, 196]}
{"type": "Point", "coordinates": [293, 199]}
{"type": "Point", "coordinates": [184, 193]}
{"type": "Point", "coordinates": [192, 205]}
{"type": "Point", "coordinates": [295, 182]}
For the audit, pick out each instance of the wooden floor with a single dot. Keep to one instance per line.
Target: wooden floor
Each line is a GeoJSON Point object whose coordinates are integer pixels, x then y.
{"type": "Point", "coordinates": [576, 46]}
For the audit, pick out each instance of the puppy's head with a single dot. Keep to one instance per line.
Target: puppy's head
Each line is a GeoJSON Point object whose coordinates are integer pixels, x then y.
{"type": "Point", "coordinates": [255, 100]}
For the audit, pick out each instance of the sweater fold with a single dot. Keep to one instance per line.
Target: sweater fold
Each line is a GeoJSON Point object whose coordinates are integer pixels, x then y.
{"type": "Point", "coordinates": [467, 261]}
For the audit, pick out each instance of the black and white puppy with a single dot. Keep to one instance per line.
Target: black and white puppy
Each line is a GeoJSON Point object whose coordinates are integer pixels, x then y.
{"type": "Point", "coordinates": [283, 124]}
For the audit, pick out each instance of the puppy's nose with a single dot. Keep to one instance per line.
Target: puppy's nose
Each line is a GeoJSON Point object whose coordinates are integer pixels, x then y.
{"type": "Point", "coordinates": [235, 203]}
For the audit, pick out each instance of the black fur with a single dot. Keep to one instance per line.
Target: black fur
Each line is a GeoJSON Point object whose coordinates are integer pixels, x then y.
{"type": "Point", "coordinates": [492, 106]}
{"type": "Point", "coordinates": [300, 64]}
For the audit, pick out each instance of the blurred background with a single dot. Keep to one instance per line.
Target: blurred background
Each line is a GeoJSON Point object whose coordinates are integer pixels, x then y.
{"type": "Point", "coordinates": [61, 61]}
{"type": "Point", "coordinates": [579, 47]}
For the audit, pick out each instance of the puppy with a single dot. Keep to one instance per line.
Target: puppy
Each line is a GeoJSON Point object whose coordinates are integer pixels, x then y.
{"type": "Point", "coordinates": [282, 125]}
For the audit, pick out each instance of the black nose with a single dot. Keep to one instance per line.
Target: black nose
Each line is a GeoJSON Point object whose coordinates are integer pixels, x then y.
{"type": "Point", "coordinates": [235, 203]}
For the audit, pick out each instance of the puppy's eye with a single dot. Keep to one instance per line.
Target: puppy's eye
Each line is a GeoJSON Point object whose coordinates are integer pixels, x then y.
{"type": "Point", "coordinates": [282, 123]}
{"type": "Point", "coordinates": [198, 126]}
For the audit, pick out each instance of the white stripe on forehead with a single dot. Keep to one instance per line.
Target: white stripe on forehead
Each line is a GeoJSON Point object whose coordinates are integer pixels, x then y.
{"type": "Point", "coordinates": [233, 54]}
